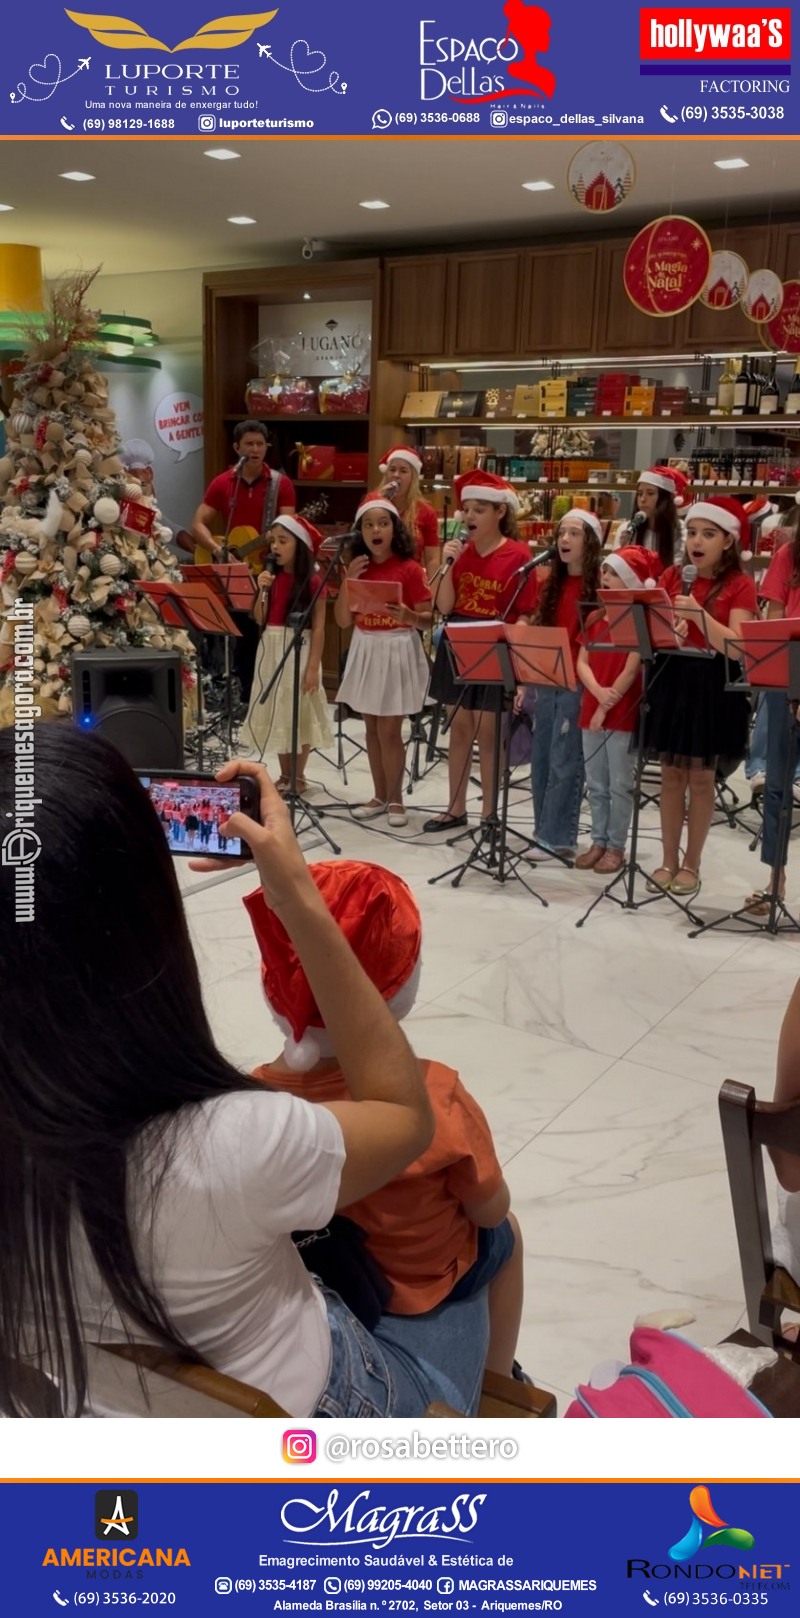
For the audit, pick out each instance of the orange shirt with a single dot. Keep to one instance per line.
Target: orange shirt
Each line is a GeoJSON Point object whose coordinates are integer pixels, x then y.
{"type": "Point", "coordinates": [416, 1226]}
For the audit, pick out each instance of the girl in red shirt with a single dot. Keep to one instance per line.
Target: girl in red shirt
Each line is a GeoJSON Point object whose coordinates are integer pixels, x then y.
{"type": "Point", "coordinates": [695, 727]}
{"type": "Point", "coordinates": [556, 747]}
{"type": "Point", "coordinates": [780, 589]}
{"type": "Point", "coordinates": [386, 674]}
{"type": "Point", "coordinates": [401, 470]}
{"type": "Point", "coordinates": [479, 582]}
{"type": "Point", "coordinates": [293, 544]}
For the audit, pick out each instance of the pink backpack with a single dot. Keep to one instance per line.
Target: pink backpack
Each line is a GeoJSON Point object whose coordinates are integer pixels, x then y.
{"type": "Point", "coordinates": [667, 1376]}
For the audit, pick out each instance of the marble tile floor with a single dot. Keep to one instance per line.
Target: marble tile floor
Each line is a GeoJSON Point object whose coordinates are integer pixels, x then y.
{"type": "Point", "coordinates": [596, 1053]}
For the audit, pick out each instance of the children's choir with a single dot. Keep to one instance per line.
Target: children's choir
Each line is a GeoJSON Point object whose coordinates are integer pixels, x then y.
{"type": "Point", "coordinates": [395, 577]}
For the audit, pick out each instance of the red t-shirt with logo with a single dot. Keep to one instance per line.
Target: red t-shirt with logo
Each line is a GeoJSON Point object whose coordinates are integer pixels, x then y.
{"type": "Point", "coordinates": [777, 585]}
{"type": "Point", "coordinates": [249, 498]}
{"type": "Point", "coordinates": [414, 590]}
{"type": "Point", "coordinates": [737, 593]}
{"type": "Point", "coordinates": [425, 532]}
{"type": "Point", "coordinates": [484, 585]}
{"type": "Point", "coordinates": [280, 596]}
{"type": "Point", "coordinates": [606, 668]}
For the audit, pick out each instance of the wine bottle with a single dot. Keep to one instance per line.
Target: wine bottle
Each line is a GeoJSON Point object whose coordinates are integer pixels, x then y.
{"type": "Point", "coordinates": [753, 388]}
{"type": "Point", "coordinates": [741, 389]}
{"type": "Point", "coordinates": [726, 388]}
{"type": "Point", "coordinates": [770, 397]}
{"type": "Point", "coordinates": [792, 405]}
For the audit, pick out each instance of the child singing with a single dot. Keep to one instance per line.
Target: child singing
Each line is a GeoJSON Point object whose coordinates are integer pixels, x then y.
{"type": "Point", "coordinates": [609, 713]}
{"type": "Point", "coordinates": [289, 591]}
{"type": "Point", "coordinates": [479, 582]}
{"type": "Point", "coordinates": [695, 727]}
{"type": "Point", "coordinates": [556, 746]}
{"type": "Point", "coordinates": [655, 523]}
{"type": "Point", "coordinates": [386, 674]}
{"type": "Point", "coordinates": [401, 469]}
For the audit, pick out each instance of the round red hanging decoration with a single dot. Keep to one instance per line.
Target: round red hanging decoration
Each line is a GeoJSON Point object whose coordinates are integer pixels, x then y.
{"type": "Point", "coordinates": [783, 331]}
{"type": "Point", "coordinates": [667, 265]}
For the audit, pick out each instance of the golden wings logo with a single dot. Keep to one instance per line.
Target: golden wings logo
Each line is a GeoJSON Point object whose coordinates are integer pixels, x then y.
{"type": "Point", "coordinates": [223, 34]}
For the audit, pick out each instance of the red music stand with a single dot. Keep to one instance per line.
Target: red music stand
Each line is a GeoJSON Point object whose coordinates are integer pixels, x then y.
{"type": "Point", "coordinates": [480, 654]}
{"type": "Point", "coordinates": [192, 606]}
{"type": "Point", "coordinates": [232, 582]}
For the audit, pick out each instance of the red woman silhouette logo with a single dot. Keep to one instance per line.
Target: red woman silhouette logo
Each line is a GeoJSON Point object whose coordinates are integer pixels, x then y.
{"type": "Point", "coordinates": [530, 27]}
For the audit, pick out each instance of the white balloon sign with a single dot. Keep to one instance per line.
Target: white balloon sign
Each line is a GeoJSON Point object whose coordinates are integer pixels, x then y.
{"type": "Point", "coordinates": [178, 421]}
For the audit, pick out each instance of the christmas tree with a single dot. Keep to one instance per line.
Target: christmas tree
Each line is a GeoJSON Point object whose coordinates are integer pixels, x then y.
{"type": "Point", "coordinates": [77, 532]}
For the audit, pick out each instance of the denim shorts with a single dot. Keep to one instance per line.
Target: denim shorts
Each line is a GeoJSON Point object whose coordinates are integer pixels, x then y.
{"type": "Point", "coordinates": [495, 1247]}
{"type": "Point", "coordinates": [408, 1361]}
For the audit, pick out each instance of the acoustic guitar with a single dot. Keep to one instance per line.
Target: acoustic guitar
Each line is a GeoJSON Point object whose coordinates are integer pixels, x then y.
{"type": "Point", "coordinates": [247, 545]}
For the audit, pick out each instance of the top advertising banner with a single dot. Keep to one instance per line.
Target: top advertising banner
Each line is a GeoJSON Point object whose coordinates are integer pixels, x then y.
{"type": "Point", "coordinates": [436, 68]}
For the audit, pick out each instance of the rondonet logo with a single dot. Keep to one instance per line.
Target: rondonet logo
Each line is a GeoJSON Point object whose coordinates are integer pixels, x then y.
{"type": "Point", "coordinates": [743, 34]}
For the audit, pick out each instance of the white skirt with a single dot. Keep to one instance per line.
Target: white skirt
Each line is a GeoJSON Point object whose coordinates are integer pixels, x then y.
{"type": "Point", "coordinates": [386, 673]}
{"type": "Point", "coordinates": [269, 725]}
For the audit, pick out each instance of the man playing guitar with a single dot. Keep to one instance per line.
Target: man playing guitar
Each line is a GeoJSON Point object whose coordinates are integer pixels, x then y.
{"type": "Point", "coordinates": [252, 495]}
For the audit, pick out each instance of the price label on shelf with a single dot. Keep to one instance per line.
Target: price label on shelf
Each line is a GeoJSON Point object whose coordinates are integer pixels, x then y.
{"type": "Point", "coordinates": [552, 414]}
{"type": "Point", "coordinates": [490, 415]}
{"type": "Point", "coordinates": [580, 412]}
{"type": "Point", "coordinates": [563, 480]}
{"type": "Point", "coordinates": [716, 412]}
{"type": "Point", "coordinates": [637, 412]}
{"type": "Point", "coordinates": [451, 415]}
{"type": "Point", "coordinates": [605, 412]}
{"type": "Point", "coordinates": [758, 483]}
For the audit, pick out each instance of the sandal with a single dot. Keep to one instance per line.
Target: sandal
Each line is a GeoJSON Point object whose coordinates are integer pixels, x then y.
{"type": "Point", "coordinates": [282, 784]}
{"type": "Point", "coordinates": [759, 902]}
{"type": "Point", "coordinates": [657, 884]}
{"type": "Point", "coordinates": [686, 890]}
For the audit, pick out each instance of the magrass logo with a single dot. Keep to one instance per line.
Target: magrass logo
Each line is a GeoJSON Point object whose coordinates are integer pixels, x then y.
{"type": "Point", "coordinates": [116, 1514]}
{"type": "Point", "coordinates": [704, 1516]}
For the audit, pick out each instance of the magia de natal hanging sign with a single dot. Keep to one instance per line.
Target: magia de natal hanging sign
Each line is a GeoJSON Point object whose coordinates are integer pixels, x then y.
{"type": "Point", "coordinates": [601, 176]}
{"type": "Point", "coordinates": [727, 280]}
{"type": "Point", "coordinates": [782, 332]}
{"type": "Point", "coordinates": [667, 265]}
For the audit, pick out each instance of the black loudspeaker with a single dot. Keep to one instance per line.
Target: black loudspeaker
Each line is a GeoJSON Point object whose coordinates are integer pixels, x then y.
{"type": "Point", "coordinates": [134, 699]}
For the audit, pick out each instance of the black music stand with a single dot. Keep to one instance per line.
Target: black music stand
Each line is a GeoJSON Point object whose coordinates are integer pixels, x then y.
{"type": "Point", "coordinates": [481, 655]}
{"type": "Point", "coordinates": [640, 624]}
{"type": "Point", "coordinates": [786, 648]}
{"type": "Point", "coordinates": [192, 605]}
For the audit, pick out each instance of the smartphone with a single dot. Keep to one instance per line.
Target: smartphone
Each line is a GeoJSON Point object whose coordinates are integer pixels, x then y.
{"type": "Point", "coordinates": [192, 808]}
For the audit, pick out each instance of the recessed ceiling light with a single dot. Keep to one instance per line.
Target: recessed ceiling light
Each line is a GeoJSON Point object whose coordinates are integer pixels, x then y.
{"type": "Point", "coordinates": [306, 297]}
{"type": "Point", "coordinates": [731, 163]}
{"type": "Point", "coordinates": [75, 174]}
{"type": "Point", "coordinates": [6, 207]}
{"type": "Point", "coordinates": [240, 219]}
{"type": "Point", "coordinates": [222, 154]}
{"type": "Point", "coordinates": [376, 203]}
{"type": "Point", "coordinates": [537, 185]}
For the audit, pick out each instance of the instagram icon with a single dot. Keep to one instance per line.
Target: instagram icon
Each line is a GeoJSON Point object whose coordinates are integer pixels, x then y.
{"type": "Point", "coordinates": [299, 1447]}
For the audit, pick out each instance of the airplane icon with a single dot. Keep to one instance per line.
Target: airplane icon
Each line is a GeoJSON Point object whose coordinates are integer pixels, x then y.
{"type": "Point", "coordinates": [264, 50]}
{"type": "Point", "coordinates": [84, 61]}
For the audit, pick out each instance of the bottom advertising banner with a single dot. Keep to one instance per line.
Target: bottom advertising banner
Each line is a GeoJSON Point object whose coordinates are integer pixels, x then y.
{"type": "Point", "coordinates": [303, 1547]}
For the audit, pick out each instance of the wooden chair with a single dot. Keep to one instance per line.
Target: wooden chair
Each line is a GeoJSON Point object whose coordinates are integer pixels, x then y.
{"type": "Point", "coordinates": [175, 1387]}
{"type": "Point", "coordinates": [748, 1127]}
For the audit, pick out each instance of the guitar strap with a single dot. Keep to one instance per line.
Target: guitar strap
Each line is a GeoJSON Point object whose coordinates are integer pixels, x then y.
{"type": "Point", "coordinates": [270, 502]}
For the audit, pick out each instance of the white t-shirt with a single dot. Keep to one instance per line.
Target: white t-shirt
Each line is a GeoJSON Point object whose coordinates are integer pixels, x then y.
{"type": "Point", "coordinates": [248, 1168]}
{"type": "Point", "coordinates": [647, 540]}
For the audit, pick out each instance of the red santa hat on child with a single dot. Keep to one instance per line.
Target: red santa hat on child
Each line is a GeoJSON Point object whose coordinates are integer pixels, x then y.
{"type": "Point", "coordinates": [484, 486]}
{"type": "Point", "coordinates": [669, 479]}
{"type": "Point", "coordinates": [377, 914]}
{"type": "Point", "coordinates": [635, 567]}
{"type": "Point", "coordinates": [402, 452]}
{"type": "Point", "coordinates": [727, 514]}
{"type": "Point", "coordinates": [587, 517]}
{"type": "Point", "coordinates": [302, 530]}
{"type": "Point", "coordinates": [375, 502]}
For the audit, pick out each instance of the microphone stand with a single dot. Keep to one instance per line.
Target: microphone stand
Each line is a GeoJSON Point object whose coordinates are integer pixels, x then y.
{"type": "Point", "coordinates": [227, 654]}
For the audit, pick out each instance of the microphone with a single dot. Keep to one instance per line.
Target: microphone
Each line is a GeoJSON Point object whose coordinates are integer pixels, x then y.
{"type": "Point", "coordinates": [536, 561]}
{"type": "Point", "coordinates": [242, 461]}
{"type": "Point", "coordinates": [688, 576]}
{"type": "Point", "coordinates": [271, 564]}
{"type": "Point", "coordinates": [638, 520]}
{"type": "Point", "coordinates": [390, 490]}
{"type": "Point", "coordinates": [463, 536]}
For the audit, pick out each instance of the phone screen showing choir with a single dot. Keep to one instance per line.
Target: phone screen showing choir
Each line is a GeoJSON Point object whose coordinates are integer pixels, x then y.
{"type": "Point", "coordinates": [192, 813]}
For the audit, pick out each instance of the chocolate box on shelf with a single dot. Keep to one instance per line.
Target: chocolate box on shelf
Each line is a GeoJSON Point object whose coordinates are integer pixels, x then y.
{"type": "Point", "coordinates": [421, 406]}
{"type": "Point", "coordinates": [459, 405]}
{"type": "Point", "coordinates": [497, 404]}
{"type": "Point", "coordinates": [527, 400]}
{"type": "Point", "coordinates": [351, 466]}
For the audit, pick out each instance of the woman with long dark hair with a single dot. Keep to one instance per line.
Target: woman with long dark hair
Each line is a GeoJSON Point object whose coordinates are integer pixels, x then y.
{"type": "Point", "coordinates": [655, 524]}
{"type": "Point", "coordinates": [148, 1190]}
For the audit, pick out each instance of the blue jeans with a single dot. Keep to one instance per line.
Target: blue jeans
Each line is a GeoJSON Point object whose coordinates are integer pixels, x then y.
{"type": "Point", "coordinates": [610, 776]}
{"type": "Point", "coordinates": [556, 766]}
{"type": "Point", "coordinates": [778, 744]}
{"type": "Point", "coordinates": [408, 1361]}
{"type": "Point", "coordinates": [756, 763]}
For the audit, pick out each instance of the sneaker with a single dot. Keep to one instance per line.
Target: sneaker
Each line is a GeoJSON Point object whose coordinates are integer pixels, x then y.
{"type": "Point", "coordinates": [369, 811]}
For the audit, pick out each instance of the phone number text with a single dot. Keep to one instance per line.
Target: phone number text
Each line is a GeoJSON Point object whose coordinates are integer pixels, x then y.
{"type": "Point", "coordinates": [103, 124]}
{"type": "Point", "coordinates": [716, 113]}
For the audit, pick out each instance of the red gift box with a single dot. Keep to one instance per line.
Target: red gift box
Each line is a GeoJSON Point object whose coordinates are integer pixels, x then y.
{"type": "Point", "coordinates": [139, 519]}
{"type": "Point", "coordinates": [315, 463]}
{"type": "Point", "coordinates": [351, 467]}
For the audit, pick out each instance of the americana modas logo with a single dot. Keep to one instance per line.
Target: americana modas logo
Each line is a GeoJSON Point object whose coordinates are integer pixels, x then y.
{"type": "Point", "coordinates": [116, 1515]}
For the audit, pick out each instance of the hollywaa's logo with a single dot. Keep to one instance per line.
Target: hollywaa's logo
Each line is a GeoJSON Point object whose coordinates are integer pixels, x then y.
{"type": "Point", "coordinates": [527, 38]}
{"type": "Point", "coordinates": [222, 34]}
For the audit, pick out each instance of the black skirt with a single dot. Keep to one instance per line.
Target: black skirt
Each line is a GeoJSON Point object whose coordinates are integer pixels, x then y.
{"type": "Point", "coordinates": [445, 688]}
{"type": "Point", "coordinates": [693, 722]}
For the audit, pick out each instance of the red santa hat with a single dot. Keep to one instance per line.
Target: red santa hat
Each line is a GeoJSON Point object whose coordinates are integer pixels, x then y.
{"type": "Point", "coordinates": [302, 530]}
{"type": "Point", "coordinates": [758, 509]}
{"type": "Point", "coordinates": [484, 486]}
{"type": "Point", "coordinates": [375, 502]}
{"type": "Point", "coordinates": [634, 566]}
{"type": "Point", "coordinates": [587, 517]}
{"type": "Point", "coordinates": [728, 514]}
{"type": "Point", "coordinates": [379, 917]}
{"type": "Point", "coordinates": [669, 479]}
{"type": "Point", "coordinates": [402, 452]}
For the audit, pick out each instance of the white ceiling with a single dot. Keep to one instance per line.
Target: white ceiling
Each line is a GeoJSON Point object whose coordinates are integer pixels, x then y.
{"type": "Point", "coordinates": [158, 205]}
